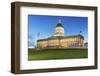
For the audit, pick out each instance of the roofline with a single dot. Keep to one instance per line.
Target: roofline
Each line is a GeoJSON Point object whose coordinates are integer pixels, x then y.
{"type": "Point", "coordinates": [62, 37]}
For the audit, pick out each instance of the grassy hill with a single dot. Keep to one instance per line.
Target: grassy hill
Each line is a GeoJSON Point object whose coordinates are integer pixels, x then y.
{"type": "Point", "coordinates": [52, 54]}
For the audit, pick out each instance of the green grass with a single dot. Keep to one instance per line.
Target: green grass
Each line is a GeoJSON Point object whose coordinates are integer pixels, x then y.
{"type": "Point", "coordinates": [52, 54]}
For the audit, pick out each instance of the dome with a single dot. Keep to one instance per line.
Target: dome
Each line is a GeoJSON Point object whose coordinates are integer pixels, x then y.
{"type": "Point", "coordinates": [59, 25]}
{"type": "Point", "coordinates": [59, 30]}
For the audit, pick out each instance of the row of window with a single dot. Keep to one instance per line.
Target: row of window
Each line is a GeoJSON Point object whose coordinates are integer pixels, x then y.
{"type": "Point", "coordinates": [69, 44]}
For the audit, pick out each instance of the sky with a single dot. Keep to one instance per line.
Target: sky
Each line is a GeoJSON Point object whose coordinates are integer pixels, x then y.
{"type": "Point", "coordinates": [43, 26]}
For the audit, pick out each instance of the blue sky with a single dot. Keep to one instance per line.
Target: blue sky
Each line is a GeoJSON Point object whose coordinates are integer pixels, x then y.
{"type": "Point", "coordinates": [42, 26]}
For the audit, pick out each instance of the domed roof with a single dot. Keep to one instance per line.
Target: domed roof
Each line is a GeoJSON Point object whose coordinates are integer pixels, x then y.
{"type": "Point", "coordinates": [59, 24]}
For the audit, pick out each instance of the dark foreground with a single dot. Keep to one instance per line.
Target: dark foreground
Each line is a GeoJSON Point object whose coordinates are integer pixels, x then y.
{"type": "Point", "coordinates": [52, 54]}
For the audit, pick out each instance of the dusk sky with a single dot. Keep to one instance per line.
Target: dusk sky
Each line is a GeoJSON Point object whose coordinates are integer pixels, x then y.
{"type": "Point", "coordinates": [40, 27]}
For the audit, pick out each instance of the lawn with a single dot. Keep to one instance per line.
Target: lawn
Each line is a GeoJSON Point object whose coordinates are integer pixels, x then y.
{"type": "Point", "coordinates": [52, 54]}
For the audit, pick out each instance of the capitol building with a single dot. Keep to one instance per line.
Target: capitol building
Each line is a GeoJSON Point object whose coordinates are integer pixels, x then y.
{"type": "Point", "coordinates": [59, 40]}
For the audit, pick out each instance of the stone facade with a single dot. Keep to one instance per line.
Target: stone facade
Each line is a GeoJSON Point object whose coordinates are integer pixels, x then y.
{"type": "Point", "coordinates": [62, 42]}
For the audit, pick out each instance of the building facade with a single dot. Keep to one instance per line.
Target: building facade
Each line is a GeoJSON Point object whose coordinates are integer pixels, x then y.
{"type": "Point", "coordinates": [58, 40]}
